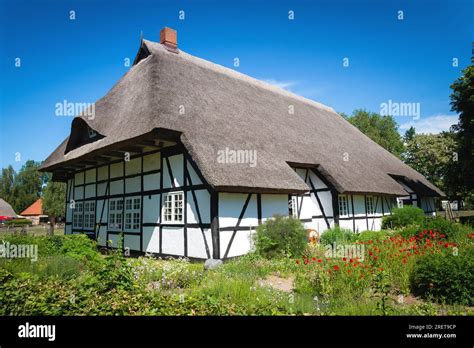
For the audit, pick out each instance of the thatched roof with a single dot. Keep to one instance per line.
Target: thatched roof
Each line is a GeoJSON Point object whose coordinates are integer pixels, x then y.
{"type": "Point", "coordinates": [226, 109]}
{"type": "Point", "coordinates": [6, 209]}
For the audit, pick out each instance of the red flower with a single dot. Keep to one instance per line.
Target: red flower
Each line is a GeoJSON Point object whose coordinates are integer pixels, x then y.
{"type": "Point", "coordinates": [319, 260]}
{"type": "Point", "coordinates": [446, 245]}
{"type": "Point", "coordinates": [314, 259]}
{"type": "Point", "coordinates": [370, 253]}
{"type": "Point", "coordinates": [297, 262]}
{"type": "Point", "coordinates": [351, 260]}
{"type": "Point", "coordinates": [344, 259]}
{"type": "Point", "coordinates": [336, 267]}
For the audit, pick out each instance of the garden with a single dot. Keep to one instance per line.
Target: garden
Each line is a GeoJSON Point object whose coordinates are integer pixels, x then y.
{"type": "Point", "coordinates": [420, 266]}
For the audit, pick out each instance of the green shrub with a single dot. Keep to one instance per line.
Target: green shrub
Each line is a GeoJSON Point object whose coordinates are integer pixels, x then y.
{"type": "Point", "coordinates": [445, 277]}
{"type": "Point", "coordinates": [453, 231]}
{"type": "Point", "coordinates": [75, 245]}
{"type": "Point", "coordinates": [18, 222]}
{"type": "Point", "coordinates": [365, 236]}
{"type": "Point", "coordinates": [338, 235]}
{"type": "Point", "coordinates": [402, 217]}
{"type": "Point", "coordinates": [280, 236]}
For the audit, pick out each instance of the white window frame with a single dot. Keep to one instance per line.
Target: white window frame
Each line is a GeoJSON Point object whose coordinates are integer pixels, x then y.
{"type": "Point", "coordinates": [343, 204]}
{"type": "Point", "coordinates": [294, 206]}
{"type": "Point", "coordinates": [370, 199]}
{"type": "Point", "coordinates": [89, 215]}
{"type": "Point", "coordinates": [132, 214]}
{"type": "Point", "coordinates": [115, 214]}
{"type": "Point", "coordinates": [171, 209]}
{"type": "Point", "coordinates": [77, 215]}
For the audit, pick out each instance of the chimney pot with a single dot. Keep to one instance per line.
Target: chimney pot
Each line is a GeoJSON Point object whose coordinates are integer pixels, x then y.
{"type": "Point", "coordinates": [169, 37]}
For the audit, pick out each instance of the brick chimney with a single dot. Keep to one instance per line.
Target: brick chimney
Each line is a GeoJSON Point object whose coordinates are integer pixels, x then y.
{"type": "Point", "coordinates": [169, 38]}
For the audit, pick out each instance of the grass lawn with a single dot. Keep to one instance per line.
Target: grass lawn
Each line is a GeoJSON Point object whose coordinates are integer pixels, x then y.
{"type": "Point", "coordinates": [32, 230]}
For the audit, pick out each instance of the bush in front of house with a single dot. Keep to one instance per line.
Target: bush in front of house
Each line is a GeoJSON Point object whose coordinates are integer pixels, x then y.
{"type": "Point", "coordinates": [445, 277]}
{"type": "Point", "coordinates": [281, 236]}
{"type": "Point", "coordinates": [366, 236]}
{"type": "Point", "coordinates": [402, 217]}
{"type": "Point", "coordinates": [337, 235]}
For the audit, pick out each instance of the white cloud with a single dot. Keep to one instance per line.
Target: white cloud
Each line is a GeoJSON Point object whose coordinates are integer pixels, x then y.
{"type": "Point", "coordinates": [282, 84]}
{"type": "Point", "coordinates": [432, 124]}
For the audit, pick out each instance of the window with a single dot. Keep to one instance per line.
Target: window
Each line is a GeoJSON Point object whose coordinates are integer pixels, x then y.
{"type": "Point", "coordinates": [115, 214]}
{"type": "Point", "coordinates": [369, 205]}
{"type": "Point", "coordinates": [89, 214]}
{"type": "Point", "coordinates": [77, 215]}
{"type": "Point", "coordinates": [173, 207]}
{"type": "Point", "coordinates": [343, 207]}
{"type": "Point", "coordinates": [293, 203]}
{"type": "Point", "coordinates": [132, 214]}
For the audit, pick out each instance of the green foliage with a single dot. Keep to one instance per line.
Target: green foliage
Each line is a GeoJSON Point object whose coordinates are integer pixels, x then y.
{"type": "Point", "coordinates": [381, 129]}
{"type": "Point", "coordinates": [446, 277]}
{"type": "Point", "coordinates": [53, 199]}
{"type": "Point", "coordinates": [280, 236]}
{"type": "Point", "coordinates": [402, 217]}
{"type": "Point", "coordinates": [453, 231]}
{"type": "Point", "coordinates": [22, 189]}
{"type": "Point", "coordinates": [338, 235]}
{"type": "Point", "coordinates": [432, 156]}
{"type": "Point", "coordinates": [18, 222]}
{"type": "Point", "coordinates": [462, 102]}
{"type": "Point", "coordinates": [365, 236]}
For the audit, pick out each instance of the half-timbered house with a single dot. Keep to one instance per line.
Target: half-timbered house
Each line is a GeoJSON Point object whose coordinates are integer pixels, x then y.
{"type": "Point", "coordinates": [184, 157]}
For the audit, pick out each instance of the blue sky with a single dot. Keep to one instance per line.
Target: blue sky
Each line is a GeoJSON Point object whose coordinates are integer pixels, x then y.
{"type": "Point", "coordinates": [406, 61]}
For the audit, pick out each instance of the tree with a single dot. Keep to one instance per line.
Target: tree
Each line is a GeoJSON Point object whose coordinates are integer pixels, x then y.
{"type": "Point", "coordinates": [409, 134]}
{"type": "Point", "coordinates": [53, 202]}
{"type": "Point", "coordinates": [462, 101]}
{"type": "Point", "coordinates": [381, 129]}
{"type": "Point", "coordinates": [23, 188]}
{"type": "Point", "coordinates": [432, 155]}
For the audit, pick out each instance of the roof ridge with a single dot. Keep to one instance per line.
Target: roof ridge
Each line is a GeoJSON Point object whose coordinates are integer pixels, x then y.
{"type": "Point", "coordinates": [241, 76]}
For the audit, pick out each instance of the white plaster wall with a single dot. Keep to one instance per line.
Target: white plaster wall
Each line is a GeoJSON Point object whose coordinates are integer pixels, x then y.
{"type": "Point", "coordinates": [274, 205]}
{"type": "Point", "coordinates": [242, 243]}
{"type": "Point", "coordinates": [116, 187]}
{"type": "Point", "coordinates": [133, 184]}
{"type": "Point", "coordinates": [90, 176]}
{"type": "Point", "coordinates": [79, 192]}
{"type": "Point", "coordinates": [230, 207]}
{"type": "Point", "coordinates": [176, 163]}
{"type": "Point", "coordinates": [90, 191]}
{"type": "Point", "coordinates": [359, 205]}
{"type": "Point", "coordinates": [196, 245]}
{"type": "Point", "coordinates": [151, 182]}
{"type": "Point", "coordinates": [133, 166]}
{"type": "Point", "coordinates": [204, 202]}
{"type": "Point", "coordinates": [101, 189]}
{"type": "Point", "coordinates": [79, 178]}
{"type": "Point", "coordinates": [194, 177]}
{"type": "Point", "coordinates": [151, 239]}
{"type": "Point", "coordinates": [172, 240]}
{"type": "Point", "coordinates": [132, 242]}
{"type": "Point", "coordinates": [151, 162]}
{"type": "Point", "coordinates": [116, 170]}
{"type": "Point", "coordinates": [103, 173]}
{"type": "Point", "coordinates": [102, 236]}
{"type": "Point", "coordinates": [151, 209]}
